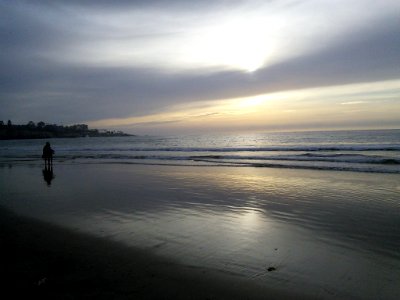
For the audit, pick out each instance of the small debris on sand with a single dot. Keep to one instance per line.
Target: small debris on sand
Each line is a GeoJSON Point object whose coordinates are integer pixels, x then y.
{"type": "Point", "coordinates": [42, 281]}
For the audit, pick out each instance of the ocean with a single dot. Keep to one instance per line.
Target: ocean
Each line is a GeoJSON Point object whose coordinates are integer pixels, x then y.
{"type": "Point", "coordinates": [319, 209]}
{"type": "Point", "coordinates": [376, 151]}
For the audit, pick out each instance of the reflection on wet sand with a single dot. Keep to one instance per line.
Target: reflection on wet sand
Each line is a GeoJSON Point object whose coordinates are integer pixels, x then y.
{"type": "Point", "coordinates": [322, 230]}
{"type": "Point", "coordinates": [48, 174]}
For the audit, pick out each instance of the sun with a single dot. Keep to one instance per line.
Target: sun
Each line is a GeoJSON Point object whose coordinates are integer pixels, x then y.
{"type": "Point", "coordinates": [237, 43]}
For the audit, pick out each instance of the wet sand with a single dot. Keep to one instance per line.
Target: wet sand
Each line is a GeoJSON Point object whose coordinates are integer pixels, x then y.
{"type": "Point", "coordinates": [43, 261]}
{"type": "Point", "coordinates": [112, 231]}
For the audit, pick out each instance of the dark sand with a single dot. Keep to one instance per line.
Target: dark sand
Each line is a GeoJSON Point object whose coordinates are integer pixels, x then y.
{"type": "Point", "coordinates": [43, 261]}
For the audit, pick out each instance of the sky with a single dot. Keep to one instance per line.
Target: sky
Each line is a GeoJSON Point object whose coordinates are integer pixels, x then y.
{"type": "Point", "coordinates": [182, 66]}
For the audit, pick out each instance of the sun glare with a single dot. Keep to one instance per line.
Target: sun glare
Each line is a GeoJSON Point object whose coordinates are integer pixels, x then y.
{"type": "Point", "coordinates": [237, 43]}
{"type": "Point", "coordinates": [251, 101]}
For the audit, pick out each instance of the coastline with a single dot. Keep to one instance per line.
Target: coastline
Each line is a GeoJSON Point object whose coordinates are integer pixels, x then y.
{"type": "Point", "coordinates": [42, 130]}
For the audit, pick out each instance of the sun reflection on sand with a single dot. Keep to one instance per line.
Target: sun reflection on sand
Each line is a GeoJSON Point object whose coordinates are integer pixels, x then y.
{"type": "Point", "coordinates": [251, 219]}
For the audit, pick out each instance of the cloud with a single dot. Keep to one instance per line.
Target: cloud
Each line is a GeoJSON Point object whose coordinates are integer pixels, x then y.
{"type": "Point", "coordinates": [67, 61]}
{"type": "Point", "coordinates": [285, 110]}
{"type": "Point", "coordinates": [154, 123]}
{"type": "Point", "coordinates": [353, 102]}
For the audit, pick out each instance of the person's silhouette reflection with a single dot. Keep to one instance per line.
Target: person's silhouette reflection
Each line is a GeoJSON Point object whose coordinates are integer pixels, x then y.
{"type": "Point", "coordinates": [48, 174]}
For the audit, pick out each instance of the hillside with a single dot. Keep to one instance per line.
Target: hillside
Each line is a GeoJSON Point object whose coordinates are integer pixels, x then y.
{"type": "Point", "coordinates": [42, 130]}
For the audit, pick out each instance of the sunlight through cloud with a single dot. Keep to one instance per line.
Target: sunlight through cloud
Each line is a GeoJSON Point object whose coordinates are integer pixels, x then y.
{"type": "Point", "coordinates": [237, 42]}
{"type": "Point", "coordinates": [322, 105]}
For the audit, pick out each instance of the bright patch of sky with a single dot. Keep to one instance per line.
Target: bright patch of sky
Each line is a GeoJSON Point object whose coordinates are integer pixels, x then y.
{"type": "Point", "coordinates": [300, 108]}
{"type": "Point", "coordinates": [172, 66]}
{"type": "Point", "coordinates": [244, 36]}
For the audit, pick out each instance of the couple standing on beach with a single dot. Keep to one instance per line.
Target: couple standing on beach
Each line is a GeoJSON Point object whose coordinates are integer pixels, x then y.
{"type": "Point", "coordinates": [48, 155]}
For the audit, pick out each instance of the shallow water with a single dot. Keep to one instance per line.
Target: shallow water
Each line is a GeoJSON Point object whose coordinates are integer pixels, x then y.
{"type": "Point", "coordinates": [376, 151]}
{"type": "Point", "coordinates": [336, 234]}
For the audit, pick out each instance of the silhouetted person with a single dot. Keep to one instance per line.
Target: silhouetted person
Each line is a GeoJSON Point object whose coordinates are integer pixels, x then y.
{"type": "Point", "coordinates": [48, 175]}
{"type": "Point", "coordinates": [48, 155]}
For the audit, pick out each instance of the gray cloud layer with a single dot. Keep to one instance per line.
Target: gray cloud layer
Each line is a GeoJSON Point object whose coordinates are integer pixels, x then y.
{"type": "Point", "coordinates": [34, 85]}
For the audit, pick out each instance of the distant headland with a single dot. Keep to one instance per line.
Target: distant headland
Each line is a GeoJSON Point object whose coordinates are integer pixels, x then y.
{"type": "Point", "coordinates": [41, 130]}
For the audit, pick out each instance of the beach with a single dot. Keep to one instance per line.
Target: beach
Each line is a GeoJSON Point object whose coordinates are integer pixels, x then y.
{"type": "Point", "coordinates": [140, 231]}
{"type": "Point", "coordinates": [41, 260]}
{"type": "Point", "coordinates": [200, 150]}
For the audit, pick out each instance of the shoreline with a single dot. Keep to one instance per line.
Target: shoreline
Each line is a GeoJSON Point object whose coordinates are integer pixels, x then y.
{"type": "Point", "coordinates": [51, 262]}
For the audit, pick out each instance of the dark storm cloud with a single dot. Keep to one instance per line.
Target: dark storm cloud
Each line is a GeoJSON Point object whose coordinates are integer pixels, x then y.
{"type": "Point", "coordinates": [35, 86]}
